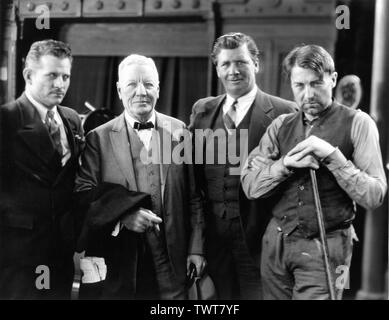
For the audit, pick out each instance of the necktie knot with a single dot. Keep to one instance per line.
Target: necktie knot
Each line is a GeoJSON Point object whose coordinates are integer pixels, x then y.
{"type": "Point", "coordinates": [54, 131]}
{"type": "Point", "coordinates": [230, 116]}
{"type": "Point", "coordinates": [51, 124]}
{"type": "Point", "coordinates": [50, 114]}
{"type": "Point", "coordinates": [233, 105]}
{"type": "Point", "coordinates": [143, 126]}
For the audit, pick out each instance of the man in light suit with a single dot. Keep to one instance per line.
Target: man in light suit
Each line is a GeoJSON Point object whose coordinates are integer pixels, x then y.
{"type": "Point", "coordinates": [234, 224]}
{"type": "Point", "coordinates": [40, 142]}
{"type": "Point", "coordinates": [152, 245]}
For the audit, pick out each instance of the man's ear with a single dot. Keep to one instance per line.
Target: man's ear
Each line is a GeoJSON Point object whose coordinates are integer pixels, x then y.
{"type": "Point", "coordinates": [334, 77]}
{"type": "Point", "coordinates": [217, 72]}
{"type": "Point", "coordinates": [256, 65]}
{"type": "Point", "coordinates": [118, 89]}
{"type": "Point", "coordinates": [27, 75]}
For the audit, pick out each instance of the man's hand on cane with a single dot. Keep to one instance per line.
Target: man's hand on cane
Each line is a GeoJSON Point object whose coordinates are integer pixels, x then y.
{"type": "Point", "coordinates": [312, 145]}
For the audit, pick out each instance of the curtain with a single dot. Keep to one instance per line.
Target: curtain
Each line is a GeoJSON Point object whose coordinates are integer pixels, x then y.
{"type": "Point", "coordinates": [182, 82]}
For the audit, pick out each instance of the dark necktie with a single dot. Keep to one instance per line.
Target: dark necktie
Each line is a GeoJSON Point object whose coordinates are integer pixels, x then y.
{"type": "Point", "coordinates": [54, 131]}
{"type": "Point", "coordinates": [229, 117]}
{"type": "Point", "coordinates": [143, 126]}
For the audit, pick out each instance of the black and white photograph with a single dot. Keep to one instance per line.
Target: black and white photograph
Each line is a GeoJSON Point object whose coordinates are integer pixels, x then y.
{"type": "Point", "coordinates": [194, 157]}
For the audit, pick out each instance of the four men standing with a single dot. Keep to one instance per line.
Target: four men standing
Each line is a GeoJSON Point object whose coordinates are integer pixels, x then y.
{"type": "Point", "coordinates": [146, 217]}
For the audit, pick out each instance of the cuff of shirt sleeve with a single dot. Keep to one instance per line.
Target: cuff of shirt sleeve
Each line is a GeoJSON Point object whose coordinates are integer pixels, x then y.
{"type": "Point", "coordinates": [335, 160]}
{"type": "Point", "coordinates": [278, 168]}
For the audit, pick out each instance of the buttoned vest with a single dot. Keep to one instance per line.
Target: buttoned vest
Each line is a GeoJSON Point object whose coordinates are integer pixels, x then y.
{"type": "Point", "coordinates": [223, 187]}
{"type": "Point", "coordinates": [294, 204]}
{"type": "Point", "coordinates": [148, 175]}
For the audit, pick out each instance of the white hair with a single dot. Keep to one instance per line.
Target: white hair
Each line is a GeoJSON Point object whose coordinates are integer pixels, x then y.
{"type": "Point", "coordinates": [138, 60]}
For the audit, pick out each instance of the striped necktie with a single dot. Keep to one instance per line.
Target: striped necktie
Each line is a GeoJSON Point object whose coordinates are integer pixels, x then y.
{"type": "Point", "coordinates": [230, 117]}
{"type": "Point", "coordinates": [54, 131]}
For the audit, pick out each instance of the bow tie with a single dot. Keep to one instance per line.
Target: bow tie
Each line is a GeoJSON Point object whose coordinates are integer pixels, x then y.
{"type": "Point", "coordinates": [143, 126]}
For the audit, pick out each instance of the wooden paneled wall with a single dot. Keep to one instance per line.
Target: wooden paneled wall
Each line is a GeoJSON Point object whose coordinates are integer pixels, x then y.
{"type": "Point", "coordinates": [172, 28]}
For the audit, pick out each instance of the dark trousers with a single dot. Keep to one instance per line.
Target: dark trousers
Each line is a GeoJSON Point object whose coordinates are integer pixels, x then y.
{"type": "Point", "coordinates": [155, 277]}
{"type": "Point", "coordinates": [292, 266]}
{"type": "Point", "coordinates": [229, 263]}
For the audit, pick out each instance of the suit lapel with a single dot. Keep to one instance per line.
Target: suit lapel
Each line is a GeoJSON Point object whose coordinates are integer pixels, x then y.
{"type": "Point", "coordinates": [122, 150]}
{"type": "Point", "coordinates": [165, 141]}
{"type": "Point", "coordinates": [70, 138]}
{"type": "Point", "coordinates": [34, 133]}
{"type": "Point", "coordinates": [207, 117]}
{"type": "Point", "coordinates": [212, 111]}
{"type": "Point", "coordinates": [260, 119]}
{"type": "Point", "coordinates": [69, 132]}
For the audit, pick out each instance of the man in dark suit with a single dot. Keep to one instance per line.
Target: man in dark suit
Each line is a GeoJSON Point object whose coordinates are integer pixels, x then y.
{"type": "Point", "coordinates": [40, 142]}
{"type": "Point", "coordinates": [234, 225]}
{"type": "Point", "coordinates": [147, 248]}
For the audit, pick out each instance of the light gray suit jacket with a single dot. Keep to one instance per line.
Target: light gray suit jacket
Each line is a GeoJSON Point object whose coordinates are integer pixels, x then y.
{"type": "Point", "coordinates": [107, 158]}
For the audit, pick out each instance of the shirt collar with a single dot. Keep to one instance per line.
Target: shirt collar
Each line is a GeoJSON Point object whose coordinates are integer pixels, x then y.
{"type": "Point", "coordinates": [42, 110]}
{"type": "Point", "coordinates": [247, 99]}
{"type": "Point", "coordinates": [131, 120]}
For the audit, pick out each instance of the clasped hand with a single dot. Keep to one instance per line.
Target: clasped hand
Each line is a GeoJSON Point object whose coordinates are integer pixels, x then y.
{"type": "Point", "coordinates": [308, 153]}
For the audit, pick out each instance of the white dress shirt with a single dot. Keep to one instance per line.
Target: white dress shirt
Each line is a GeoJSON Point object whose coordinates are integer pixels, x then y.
{"type": "Point", "coordinates": [243, 105]}
{"type": "Point", "coordinates": [42, 111]}
{"type": "Point", "coordinates": [145, 134]}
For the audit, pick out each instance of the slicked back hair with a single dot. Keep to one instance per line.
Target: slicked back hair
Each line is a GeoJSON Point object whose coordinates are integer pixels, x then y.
{"type": "Point", "coordinates": [137, 60]}
{"type": "Point", "coordinates": [312, 57]}
{"type": "Point", "coordinates": [51, 47]}
{"type": "Point", "coordinates": [234, 40]}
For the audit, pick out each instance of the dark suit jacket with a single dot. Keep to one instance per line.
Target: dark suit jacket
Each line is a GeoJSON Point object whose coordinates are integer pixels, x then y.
{"type": "Point", "coordinates": [107, 159]}
{"type": "Point", "coordinates": [254, 216]}
{"type": "Point", "coordinates": [36, 213]}
{"type": "Point", "coordinates": [103, 206]}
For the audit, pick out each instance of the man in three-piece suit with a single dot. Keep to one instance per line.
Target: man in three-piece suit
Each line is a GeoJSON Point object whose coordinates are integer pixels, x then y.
{"type": "Point", "coordinates": [40, 142]}
{"type": "Point", "coordinates": [234, 225]}
{"type": "Point", "coordinates": [146, 247]}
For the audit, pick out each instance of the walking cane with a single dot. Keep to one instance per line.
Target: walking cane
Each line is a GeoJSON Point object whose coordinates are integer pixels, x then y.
{"type": "Point", "coordinates": [323, 237]}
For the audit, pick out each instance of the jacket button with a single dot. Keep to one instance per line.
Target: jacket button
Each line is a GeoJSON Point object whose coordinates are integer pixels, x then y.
{"type": "Point", "coordinates": [301, 203]}
{"type": "Point", "coordinates": [279, 229]}
{"type": "Point", "coordinates": [301, 188]}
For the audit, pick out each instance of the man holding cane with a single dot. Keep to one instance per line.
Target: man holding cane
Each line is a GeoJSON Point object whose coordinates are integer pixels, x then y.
{"type": "Point", "coordinates": [342, 146]}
